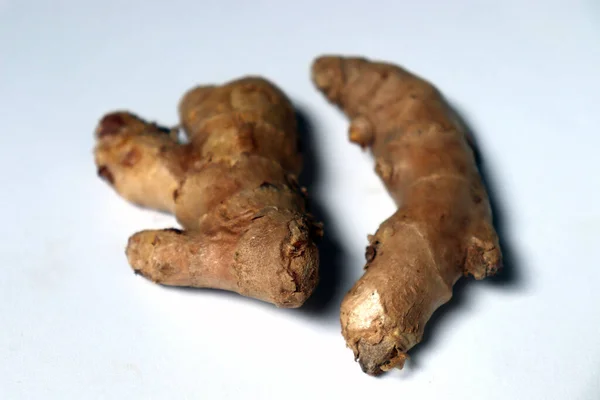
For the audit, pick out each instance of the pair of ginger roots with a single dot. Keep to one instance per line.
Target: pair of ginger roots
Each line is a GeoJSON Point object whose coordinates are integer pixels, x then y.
{"type": "Point", "coordinates": [233, 188]}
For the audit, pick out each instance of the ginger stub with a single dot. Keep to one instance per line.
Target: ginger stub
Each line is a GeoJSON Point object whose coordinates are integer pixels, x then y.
{"type": "Point", "coordinates": [233, 188]}
{"type": "Point", "coordinates": [442, 229]}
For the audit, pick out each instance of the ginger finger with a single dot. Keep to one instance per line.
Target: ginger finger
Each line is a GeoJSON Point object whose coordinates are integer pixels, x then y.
{"type": "Point", "coordinates": [140, 160]}
{"type": "Point", "coordinates": [443, 227]}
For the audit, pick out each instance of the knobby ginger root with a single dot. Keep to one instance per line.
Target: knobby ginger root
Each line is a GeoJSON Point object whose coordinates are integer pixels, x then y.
{"type": "Point", "coordinates": [233, 188]}
{"type": "Point", "coordinates": [443, 227]}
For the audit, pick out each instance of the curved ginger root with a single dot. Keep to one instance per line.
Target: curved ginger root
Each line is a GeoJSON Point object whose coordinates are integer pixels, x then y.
{"type": "Point", "coordinates": [443, 227]}
{"type": "Point", "coordinates": [233, 188]}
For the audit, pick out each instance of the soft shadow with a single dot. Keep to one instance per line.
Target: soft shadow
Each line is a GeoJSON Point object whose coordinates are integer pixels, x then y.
{"type": "Point", "coordinates": [327, 295]}
{"type": "Point", "coordinates": [510, 276]}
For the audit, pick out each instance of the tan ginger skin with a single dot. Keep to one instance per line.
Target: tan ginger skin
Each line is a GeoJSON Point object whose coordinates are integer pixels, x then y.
{"type": "Point", "coordinates": [233, 188]}
{"type": "Point", "coordinates": [443, 227]}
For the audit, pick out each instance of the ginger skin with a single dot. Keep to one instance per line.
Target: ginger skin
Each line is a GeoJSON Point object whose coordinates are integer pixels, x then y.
{"type": "Point", "coordinates": [233, 188]}
{"type": "Point", "coordinates": [443, 227]}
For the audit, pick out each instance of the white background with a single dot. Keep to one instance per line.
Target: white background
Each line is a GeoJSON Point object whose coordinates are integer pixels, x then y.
{"type": "Point", "coordinates": [76, 323]}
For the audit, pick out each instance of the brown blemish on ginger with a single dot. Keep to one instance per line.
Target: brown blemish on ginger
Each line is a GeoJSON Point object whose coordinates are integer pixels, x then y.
{"type": "Point", "coordinates": [131, 158]}
{"type": "Point", "coordinates": [105, 174]}
{"type": "Point", "coordinates": [111, 124]}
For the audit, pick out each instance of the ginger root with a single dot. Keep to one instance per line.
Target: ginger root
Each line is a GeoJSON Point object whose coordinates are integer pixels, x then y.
{"type": "Point", "coordinates": [443, 227]}
{"type": "Point", "coordinates": [233, 188]}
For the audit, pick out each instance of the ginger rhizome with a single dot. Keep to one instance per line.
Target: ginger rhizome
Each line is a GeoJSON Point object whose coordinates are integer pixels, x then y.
{"type": "Point", "coordinates": [233, 188]}
{"type": "Point", "coordinates": [442, 229]}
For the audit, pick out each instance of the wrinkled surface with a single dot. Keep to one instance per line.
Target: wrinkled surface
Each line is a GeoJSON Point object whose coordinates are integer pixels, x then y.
{"type": "Point", "coordinates": [233, 188]}
{"type": "Point", "coordinates": [443, 227]}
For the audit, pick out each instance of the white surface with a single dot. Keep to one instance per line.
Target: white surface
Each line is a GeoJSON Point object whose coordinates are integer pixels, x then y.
{"type": "Point", "coordinates": [75, 322]}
